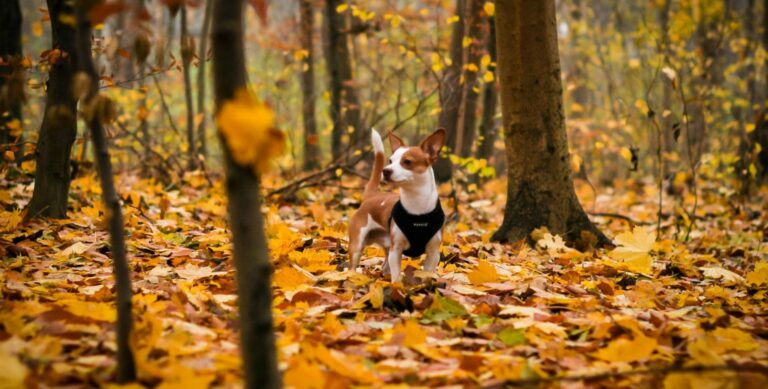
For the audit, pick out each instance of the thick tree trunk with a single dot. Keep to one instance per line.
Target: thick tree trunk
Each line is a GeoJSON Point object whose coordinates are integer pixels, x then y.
{"type": "Point", "coordinates": [311, 149]}
{"type": "Point", "coordinates": [490, 98]}
{"type": "Point", "coordinates": [345, 109]}
{"type": "Point", "coordinates": [59, 127]}
{"type": "Point", "coordinates": [126, 367]}
{"type": "Point", "coordinates": [465, 136]}
{"type": "Point", "coordinates": [11, 73]}
{"type": "Point", "coordinates": [760, 134]}
{"type": "Point", "coordinates": [187, 47]}
{"type": "Point", "coordinates": [244, 209]}
{"type": "Point", "coordinates": [450, 93]}
{"type": "Point", "coordinates": [203, 57]}
{"type": "Point", "coordinates": [540, 188]}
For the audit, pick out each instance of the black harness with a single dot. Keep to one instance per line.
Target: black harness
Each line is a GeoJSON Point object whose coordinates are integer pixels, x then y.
{"type": "Point", "coordinates": [418, 229]}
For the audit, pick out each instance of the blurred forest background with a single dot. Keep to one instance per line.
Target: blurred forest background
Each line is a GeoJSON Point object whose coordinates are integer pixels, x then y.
{"type": "Point", "coordinates": [685, 77]}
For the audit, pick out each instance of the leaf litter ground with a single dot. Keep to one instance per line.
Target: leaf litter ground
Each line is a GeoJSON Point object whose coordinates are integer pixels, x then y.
{"type": "Point", "coordinates": [492, 315]}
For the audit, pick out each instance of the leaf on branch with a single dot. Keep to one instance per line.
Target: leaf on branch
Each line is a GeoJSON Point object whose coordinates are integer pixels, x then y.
{"type": "Point", "coordinates": [248, 127]}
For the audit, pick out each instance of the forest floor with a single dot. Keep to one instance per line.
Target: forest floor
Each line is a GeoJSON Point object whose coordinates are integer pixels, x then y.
{"type": "Point", "coordinates": [645, 313]}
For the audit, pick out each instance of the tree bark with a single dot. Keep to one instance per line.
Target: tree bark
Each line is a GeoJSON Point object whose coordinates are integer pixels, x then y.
{"type": "Point", "coordinates": [540, 187]}
{"type": "Point", "coordinates": [345, 109]}
{"type": "Point", "coordinates": [450, 93]}
{"type": "Point", "coordinates": [186, 45]}
{"type": "Point", "coordinates": [11, 73]}
{"type": "Point", "coordinates": [465, 135]}
{"type": "Point", "coordinates": [203, 58]}
{"type": "Point", "coordinates": [126, 368]}
{"type": "Point", "coordinates": [59, 127]}
{"type": "Point", "coordinates": [490, 98]}
{"type": "Point", "coordinates": [244, 209]}
{"type": "Point", "coordinates": [311, 150]}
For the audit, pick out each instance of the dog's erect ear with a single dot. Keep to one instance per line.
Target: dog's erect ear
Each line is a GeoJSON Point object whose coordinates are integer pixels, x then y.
{"type": "Point", "coordinates": [395, 141]}
{"type": "Point", "coordinates": [433, 144]}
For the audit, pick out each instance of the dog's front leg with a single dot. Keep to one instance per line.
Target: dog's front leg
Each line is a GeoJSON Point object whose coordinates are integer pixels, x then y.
{"type": "Point", "coordinates": [393, 260]}
{"type": "Point", "coordinates": [433, 252]}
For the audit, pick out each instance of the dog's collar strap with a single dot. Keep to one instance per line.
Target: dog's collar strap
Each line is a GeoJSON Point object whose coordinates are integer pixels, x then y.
{"type": "Point", "coordinates": [418, 229]}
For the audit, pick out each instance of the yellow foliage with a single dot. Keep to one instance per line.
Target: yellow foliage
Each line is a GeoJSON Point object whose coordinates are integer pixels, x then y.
{"type": "Point", "coordinates": [288, 278]}
{"type": "Point", "coordinates": [484, 272]}
{"type": "Point", "coordinates": [626, 350]}
{"type": "Point", "coordinates": [411, 332]}
{"type": "Point", "coordinates": [13, 372]}
{"type": "Point", "coordinates": [248, 127]}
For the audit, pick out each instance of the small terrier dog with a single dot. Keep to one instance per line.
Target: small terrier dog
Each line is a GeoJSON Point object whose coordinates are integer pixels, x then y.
{"type": "Point", "coordinates": [410, 223]}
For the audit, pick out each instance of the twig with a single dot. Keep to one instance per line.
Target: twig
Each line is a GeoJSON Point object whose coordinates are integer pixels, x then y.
{"type": "Point", "coordinates": [165, 106]}
{"type": "Point", "coordinates": [632, 222]}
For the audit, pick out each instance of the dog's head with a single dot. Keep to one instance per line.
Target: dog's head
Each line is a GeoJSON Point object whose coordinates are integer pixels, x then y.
{"type": "Point", "coordinates": [409, 163]}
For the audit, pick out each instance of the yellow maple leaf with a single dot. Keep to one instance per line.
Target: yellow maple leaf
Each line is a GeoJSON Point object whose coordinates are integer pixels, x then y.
{"type": "Point", "coordinates": [304, 375]}
{"type": "Point", "coordinates": [412, 333]}
{"type": "Point", "coordinates": [484, 272]}
{"type": "Point", "coordinates": [759, 276]}
{"type": "Point", "coordinates": [626, 350]}
{"type": "Point", "coordinates": [89, 309]}
{"type": "Point", "coordinates": [288, 278]}
{"type": "Point", "coordinates": [248, 127]}
{"type": "Point", "coordinates": [634, 249]}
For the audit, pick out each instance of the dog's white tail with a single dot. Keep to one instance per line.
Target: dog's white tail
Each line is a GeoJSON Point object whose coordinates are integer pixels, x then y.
{"type": "Point", "coordinates": [378, 165]}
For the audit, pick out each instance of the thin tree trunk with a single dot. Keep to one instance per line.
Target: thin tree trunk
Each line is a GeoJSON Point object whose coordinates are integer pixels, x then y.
{"type": "Point", "coordinates": [311, 150]}
{"type": "Point", "coordinates": [451, 93]}
{"type": "Point", "coordinates": [126, 368]}
{"type": "Point", "coordinates": [540, 187]}
{"type": "Point", "coordinates": [244, 209]}
{"type": "Point", "coordinates": [187, 47]}
{"type": "Point", "coordinates": [203, 54]}
{"type": "Point", "coordinates": [59, 127]}
{"type": "Point", "coordinates": [467, 123]}
{"type": "Point", "coordinates": [11, 73]}
{"type": "Point", "coordinates": [490, 98]}
{"type": "Point", "coordinates": [345, 109]}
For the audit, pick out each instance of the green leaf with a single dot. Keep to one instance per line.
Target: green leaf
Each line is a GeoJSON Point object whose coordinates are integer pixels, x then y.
{"type": "Point", "coordinates": [442, 309]}
{"type": "Point", "coordinates": [512, 336]}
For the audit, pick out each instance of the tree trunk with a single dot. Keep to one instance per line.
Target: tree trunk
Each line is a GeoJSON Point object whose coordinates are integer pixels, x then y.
{"type": "Point", "coordinates": [450, 93]}
{"type": "Point", "coordinates": [540, 188]}
{"type": "Point", "coordinates": [465, 136]}
{"type": "Point", "coordinates": [203, 54]}
{"type": "Point", "coordinates": [311, 150]}
{"type": "Point", "coordinates": [345, 109]}
{"type": "Point", "coordinates": [187, 47]}
{"type": "Point", "coordinates": [760, 134]}
{"type": "Point", "coordinates": [59, 127]}
{"type": "Point", "coordinates": [11, 73]}
{"type": "Point", "coordinates": [126, 368]}
{"type": "Point", "coordinates": [244, 209]}
{"type": "Point", "coordinates": [490, 97]}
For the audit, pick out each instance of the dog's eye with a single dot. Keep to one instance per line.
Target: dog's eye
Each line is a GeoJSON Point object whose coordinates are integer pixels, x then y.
{"type": "Point", "coordinates": [390, 160]}
{"type": "Point", "coordinates": [407, 162]}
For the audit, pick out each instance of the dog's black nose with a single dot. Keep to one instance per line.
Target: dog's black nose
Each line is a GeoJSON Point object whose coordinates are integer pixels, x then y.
{"type": "Point", "coordinates": [387, 173]}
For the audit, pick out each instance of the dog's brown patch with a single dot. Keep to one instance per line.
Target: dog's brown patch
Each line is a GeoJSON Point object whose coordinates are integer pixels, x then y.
{"type": "Point", "coordinates": [415, 160]}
